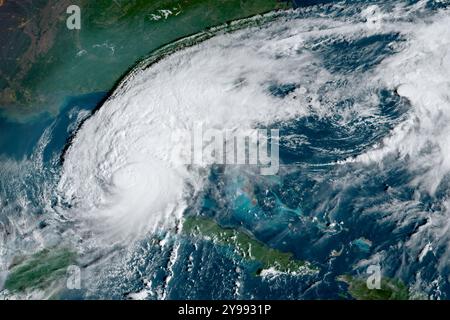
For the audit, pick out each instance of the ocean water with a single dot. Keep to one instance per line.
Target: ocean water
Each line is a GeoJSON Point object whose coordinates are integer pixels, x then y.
{"type": "Point", "coordinates": [359, 97]}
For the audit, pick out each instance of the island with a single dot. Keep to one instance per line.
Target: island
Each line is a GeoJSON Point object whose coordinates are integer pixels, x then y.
{"type": "Point", "coordinates": [247, 247]}
{"type": "Point", "coordinates": [391, 289]}
{"type": "Point", "coordinates": [39, 271]}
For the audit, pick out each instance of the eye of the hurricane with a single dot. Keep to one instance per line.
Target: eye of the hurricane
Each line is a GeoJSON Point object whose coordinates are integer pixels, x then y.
{"type": "Point", "coordinates": [128, 178]}
{"type": "Point", "coordinates": [144, 195]}
{"type": "Point", "coordinates": [138, 181]}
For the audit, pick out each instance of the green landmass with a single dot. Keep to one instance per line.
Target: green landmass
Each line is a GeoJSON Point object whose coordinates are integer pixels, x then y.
{"type": "Point", "coordinates": [246, 246]}
{"type": "Point", "coordinates": [53, 62]}
{"type": "Point", "coordinates": [391, 289]}
{"type": "Point", "coordinates": [39, 270]}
